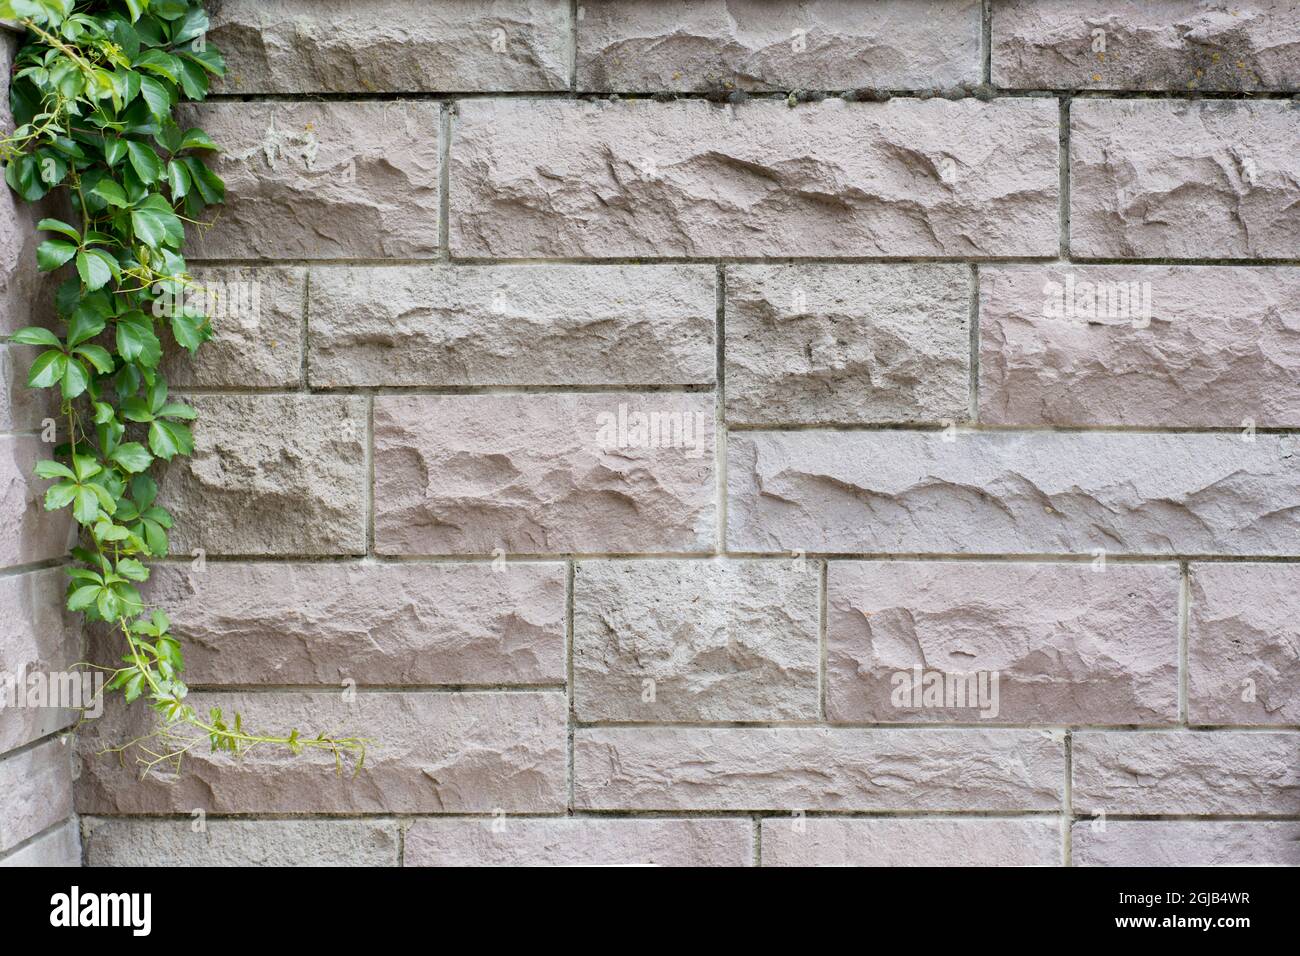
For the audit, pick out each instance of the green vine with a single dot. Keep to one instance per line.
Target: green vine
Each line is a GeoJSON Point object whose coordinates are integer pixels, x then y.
{"type": "Point", "coordinates": [93, 91]}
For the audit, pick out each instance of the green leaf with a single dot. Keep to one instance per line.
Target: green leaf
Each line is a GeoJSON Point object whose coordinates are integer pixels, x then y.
{"type": "Point", "coordinates": [47, 369]}
{"type": "Point", "coordinates": [97, 356]}
{"type": "Point", "coordinates": [83, 597]}
{"type": "Point", "coordinates": [132, 456]}
{"type": "Point", "coordinates": [35, 335]}
{"type": "Point", "coordinates": [53, 253]}
{"type": "Point", "coordinates": [60, 495]}
{"type": "Point", "coordinates": [58, 225]}
{"type": "Point", "coordinates": [53, 469]}
{"type": "Point", "coordinates": [197, 139]}
{"type": "Point", "coordinates": [136, 340]}
{"type": "Point", "coordinates": [177, 410]}
{"type": "Point", "coordinates": [194, 79]}
{"type": "Point", "coordinates": [114, 150]}
{"type": "Point", "coordinates": [144, 161]}
{"type": "Point", "coordinates": [156, 61]}
{"type": "Point", "coordinates": [85, 505]}
{"type": "Point", "coordinates": [84, 325]}
{"type": "Point", "coordinates": [93, 269]}
{"type": "Point", "coordinates": [75, 379]}
{"type": "Point", "coordinates": [178, 179]}
{"type": "Point", "coordinates": [111, 192]}
{"type": "Point", "coordinates": [157, 97]}
{"type": "Point", "coordinates": [190, 331]}
{"type": "Point", "coordinates": [168, 439]}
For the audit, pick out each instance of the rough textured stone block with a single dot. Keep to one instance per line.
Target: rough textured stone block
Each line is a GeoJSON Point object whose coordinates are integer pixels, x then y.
{"type": "Point", "coordinates": [641, 178]}
{"type": "Point", "coordinates": [321, 180]}
{"type": "Point", "coordinates": [818, 344]}
{"type": "Point", "coordinates": [391, 46]}
{"type": "Point", "coordinates": [1184, 180]}
{"type": "Point", "coordinates": [1187, 772]}
{"type": "Point", "coordinates": [28, 533]}
{"type": "Point", "coordinates": [817, 768]}
{"type": "Point", "coordinates": [734, 641]}
{"type": "Point", "coordinates": [271, 474]}
{"type": "Point", "coordinates": [23, 408]}
{"type": "Point", "coordinates": [1243, 660]}
{"type": "Point", "coordinates": [1179, 346]}
{"type": "Point", "coordinates": [533, 474]}
{"type": "Point", "coordinates": [1068, 644]}
{"type": "Point", "coordinates": [428, 753]}
{"type": "Point", "coordinates": [1184, 843]}
{"type": "Point", "coordinates": [1012, 493]}
{"type": "Point", "coordinates": [579, 841]}
{"type": "Point", "coordinates": [513, 325]}
{"type": "Point", "coordinates": [823, 841]}
{"type": "Point", "coordinates": [721, 45]}
{"type": "Point", "coordinates": [39, 636]}
{"type": "Point", "coordinates": [35, 791]}
{"type": "Point", "coordinates": [173, 843]}
{"type": "Point", "coordinates": [257, 318]}
{"type": "Point", "coordinates": [59, 847]}
{"type": "Point", "coordinates": [1145, 44]}
{"type": "Point", "coordinates": [287, 624]}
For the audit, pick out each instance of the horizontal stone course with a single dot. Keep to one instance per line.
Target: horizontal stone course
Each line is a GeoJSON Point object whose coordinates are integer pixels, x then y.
{"type": "Point", "coordinates": [544, 474]}
{"type": "Point", "coordinates": [38, 638]}
{"type": "Point", "coordinates": [669, 641]}
{"type": "Point", "coordinates": [225, 842]}
{"type": "Point", "coordinates": [512, 325]}
{"type": "Point", "coordinates": [560, 179]}
{"type": "Point", "coordinates": [1175, 45]}
{"type": "Point", "coordinates": [28, 533]}
{"type": "Point", "coordinates": [1160, 346]}
{"type": "Point", "coordinates": [1238, 773]}
{"type": "Point", "coordinates": [579, 841]}
{"type": "Point", "coordinates": [392, 46]}
{"type": "Point", "coordinates": [899, 841]}
{"type": "Point", "coordinates": [1243, 661]}
{"type": "Point", "coordinates": [1038, 643]}
{"type": "Point", "coordinates": [58, 847]}
{"type": "Point", "coordinates": [816, 768]}
{"type": "Point", "coordinates": [686, 45]}
{"type": "Point", "coordinates": [36, 785]}
{"type": "Point", "coordinates": [1012, 493]}
{"type": "Point", "coordinates": [316, 180]}
{"type": "Point", "coordinates": [427, 753]}
{"type": "Point", "coordinates": [820, 344]}
{"type": "Point", "coordinates": [1184, 843]}
{"type": "Point", "coordinates": [1162, 179]}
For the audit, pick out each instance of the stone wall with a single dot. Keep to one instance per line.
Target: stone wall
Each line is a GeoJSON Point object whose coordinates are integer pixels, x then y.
{"type": "Point", "coordinates": [977, 354]}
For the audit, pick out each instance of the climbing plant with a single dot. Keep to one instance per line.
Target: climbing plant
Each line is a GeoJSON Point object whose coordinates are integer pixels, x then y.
{"type": "Point", "coordinates": [94, 93]}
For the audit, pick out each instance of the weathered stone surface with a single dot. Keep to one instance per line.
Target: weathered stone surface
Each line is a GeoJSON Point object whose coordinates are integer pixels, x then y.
{"type": "Point", "coordinates": [534, 474]}
{"type": "Point", "coordinates": [817, 768]}
{"type": "Point", "coordinates": [1012, 493]}
{"type": "Point", "coordinates": [35, 791]}
{"type": "Point", "coordinates": [735, 641]}
{"type": "Point", "coordinates": [641, 178]}
{"type": "Point", "coordinates": [39, 638]}
{"type": "Point", "coordinates": [579, 841]}
{"type": "Point", "coordinates": [721, 44]}
{"type": "Point", "coordinates": [1147, 45]}
{"type": "Point", "coordinates": [1139, 345]}
{"type": "Point", "coordinates": [1184, 180]}
{"type": "Point", "coordinates": [321, 180]}
{"type": "Point", "coordinates": [1243, 659]}
{"type": "Point", "coordinates": [932, 841]}
{"type": "Point", "coordinates": [28, 533]}
{"type": "Point", "coordinates": [60, 847]}
{"type": "Point", "coordinates": [1068, 644]}
{"type": "Point", "coordinates": [513, 325]}
{"type": "Point", "coordinates": [1187, 772]}
{"type": "Point", "coordinates": [391, 46]}
{"type": "Point", "coordinates": [271, 474]}
{"type": "Point", "coordinates": [173, 843]}
{"type": "Point", "coordinates": [23, 408]}
{"type": "Point", "coordinates": [825, 344]}
{"type": "Point", "coordinates": [257, 320]}
{"type": "Point", "coordinates": [1184, 843]}
{"type": "Point", "coordinates": [323, 623]}
{"type": "Point", "coordinates": [428, 753]}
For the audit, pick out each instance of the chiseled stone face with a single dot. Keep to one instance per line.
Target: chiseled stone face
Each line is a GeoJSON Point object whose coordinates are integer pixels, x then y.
{"type": "Point", "coordinates": [392, 46]}
{"type": "Point", "coordinates": [317, 180]}
{"type": "Point", "coordinates": [573, 841]}
{"type": "Point", "coordinates": [271, 475]}
{"type": "Point", "coordinates": [817, 768]}
{"type": "Point", "coordinates": [668, 641]}
{"type": "Point", "coordinates": [428, 752]}
{"type": "Point", "coordinates": [1184, 843]}
{"type": "Point", "coordinates": [324, 623]}
{"type": "Point", "coordinates": [911, 177]}
{"type": "Point", "coordinates": [1024, 643]}
{"type": "Point", "coordinates": [28, 533]}
{"type": "Point", "coordinates": [1046, 493]}
{"type": "Point", "coordinates": [38, 637]}
{"type": "Point", "coordinates": [922, 841]}
{"type": "Point", "coordinates": [37, 791]}
{"type": "Point", "coordinates": [847, 344]}
{"type": "Point", "coordinates": [1184, 180]}
{"type": "Point", "coordinates": [531, 474]}
{"type": "Point", "coordinates": [1183, 346]}
{"type": "Point", "coordinates": [1174, 45]}
{"type": "Point", "coordinates": [61, 847]}
{"type": "Point", "coordinates": [1243, 662]}
{"type": "Point", "coordinates": [688, 45]}
{"type": "Point", "coordinates": [513, 325]}
{"type": "Point", "coordinates": [1226, 772]}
